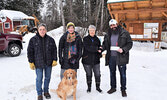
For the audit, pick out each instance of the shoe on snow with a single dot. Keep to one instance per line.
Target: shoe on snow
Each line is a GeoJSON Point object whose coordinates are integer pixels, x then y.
{"type": "Point", "coordinates": [47, 95]}
{"type": "Point", "coordinates": [40, 97]}
{"type": "Point", "coordinates": [124, 93]}
{"type": "Point", "coordinates": [99, 90]}
{"type": "Point", "coordinates": [112, 90]}
{"type": "Point", "coordinates": [88, 90]}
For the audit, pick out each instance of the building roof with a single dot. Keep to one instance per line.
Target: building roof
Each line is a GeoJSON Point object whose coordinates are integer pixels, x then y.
{"type": "Point", "coordinates": [118, 1]}
{"type": "Point", "coordinates": [13, 15]}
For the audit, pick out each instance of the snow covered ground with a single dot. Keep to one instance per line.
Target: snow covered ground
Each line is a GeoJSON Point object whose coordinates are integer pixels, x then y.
{"type": "Point", "coordinates": [146, 76]}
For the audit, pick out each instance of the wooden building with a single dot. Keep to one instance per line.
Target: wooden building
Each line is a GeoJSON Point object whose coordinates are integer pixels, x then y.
{"type": "Point", "coordinates": [146, 20]}
{"type": "Point", "coordinates": [9, 19]}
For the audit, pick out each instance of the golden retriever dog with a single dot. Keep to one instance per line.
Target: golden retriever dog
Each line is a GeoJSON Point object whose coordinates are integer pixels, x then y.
{"type": "Point", "coordinates": [67, 86]}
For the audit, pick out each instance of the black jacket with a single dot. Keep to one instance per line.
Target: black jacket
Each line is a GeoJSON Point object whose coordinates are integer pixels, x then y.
{"type": "Point", "coordinates": [124, 42]}
{"type": "Point", "coordinates": [91, 56]}
{"type": "Point", "coordinates": [42, 51]}
{"type": "Point", "coordinates": [63, 51]}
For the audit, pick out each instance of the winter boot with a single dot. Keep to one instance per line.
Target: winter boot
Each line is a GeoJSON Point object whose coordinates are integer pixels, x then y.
{"type": "Point", "coordinates": [89, 87]}
{"type": "Point", "coordinates": [47, 95]}
{"type": "Point", "coordinates": [98, 87]}
{"type": "Point", "coordinates": [112, 90]}
{"type": "Point", "coordinates": [40, 97]}
{"type": "Point", "coordinates": [124, 93]}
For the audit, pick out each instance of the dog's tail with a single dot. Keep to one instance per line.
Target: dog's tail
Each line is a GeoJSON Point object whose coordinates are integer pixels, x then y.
{"type": "Point", "coordinates": [53, 90]}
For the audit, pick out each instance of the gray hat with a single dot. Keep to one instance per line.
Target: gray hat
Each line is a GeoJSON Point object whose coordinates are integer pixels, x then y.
{"type": "Point", "coordinates": [92, 26]}
{"type": "Point", "coordinates": [42, 24]}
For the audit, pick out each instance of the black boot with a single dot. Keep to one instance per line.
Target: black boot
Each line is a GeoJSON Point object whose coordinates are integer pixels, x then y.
{"type": "Point", "coordinates": [112, 90]}
{"type": "Point", "coordinates": [98, 87]}
{"type": "Point", "coordinates": [124, 93]}
{"type": "Point", "coordinates": [47, 95]}
{"type": "Point", "coordinates": [89, 87]}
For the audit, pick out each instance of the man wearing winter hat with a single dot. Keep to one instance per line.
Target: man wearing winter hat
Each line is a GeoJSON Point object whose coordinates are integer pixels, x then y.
{"type": "Point", "coordinates": [42, 55]}
{"type": "Point", "coordinates": [117, 42]}
{"type": "Point", "coordinates": [70, 49]}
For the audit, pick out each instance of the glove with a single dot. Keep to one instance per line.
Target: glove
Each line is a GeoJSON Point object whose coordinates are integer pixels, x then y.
{"type": "Point", "coordinates": [54, 63]}
{"type": "Point", "coordinates": [32, 66]}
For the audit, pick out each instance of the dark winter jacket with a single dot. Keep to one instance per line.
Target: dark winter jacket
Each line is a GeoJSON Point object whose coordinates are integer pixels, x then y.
{"type": "Point", "coordinates": [64, 48]}
{"type": "Point", "coordinates": [91, 56]}
{"type": "Point", "coordinates": [124, 42]}
{"type": "Point", "coordinates": [42, 51]}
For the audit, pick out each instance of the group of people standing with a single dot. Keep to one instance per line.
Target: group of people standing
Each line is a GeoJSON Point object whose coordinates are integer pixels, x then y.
{"type": "Point", "coordinates": [42, 55]}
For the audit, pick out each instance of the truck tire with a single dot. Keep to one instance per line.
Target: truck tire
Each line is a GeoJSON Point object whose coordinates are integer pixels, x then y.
{"type": "Point", "coordinates": [14, 50]}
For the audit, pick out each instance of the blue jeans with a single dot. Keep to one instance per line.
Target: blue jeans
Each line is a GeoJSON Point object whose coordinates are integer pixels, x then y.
{"type": "Point", "coordinates": [122, 70]}
{"type": "Point", "coordinates": [39, 73]}
{"type": "Point", "coordinates": [95, 69]}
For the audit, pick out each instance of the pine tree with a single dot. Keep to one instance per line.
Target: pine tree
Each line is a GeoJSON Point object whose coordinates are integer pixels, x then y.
{"type": "Point", "coordinates": [29, 7]}
{"type": "Point", "coordinates": [2, 5]}
{"type": "Point", "coordinates": [52, 16]}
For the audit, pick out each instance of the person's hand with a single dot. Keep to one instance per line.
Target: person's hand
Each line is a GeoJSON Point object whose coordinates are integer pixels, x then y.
{"type": "Point", "coordinates": [54, 63]}
{"type": "Point", "coordinates": [32, 66]}
{"type": "Point", "coordinates": [101, 47]}
{"type": "Point", "coordinates": [99, 51]}
{"type": "Point", "coordinates": [120, 50]}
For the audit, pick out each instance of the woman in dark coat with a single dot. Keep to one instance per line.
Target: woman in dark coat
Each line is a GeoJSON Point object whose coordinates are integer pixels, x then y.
{"type": "Point", "coordinates": [91, 58]}
{"type": "Point", "coordinates": [70, 49]}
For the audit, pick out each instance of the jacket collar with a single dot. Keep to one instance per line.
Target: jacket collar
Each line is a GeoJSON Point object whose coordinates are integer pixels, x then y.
{"type": "Point", "coordinates": [40, 36]}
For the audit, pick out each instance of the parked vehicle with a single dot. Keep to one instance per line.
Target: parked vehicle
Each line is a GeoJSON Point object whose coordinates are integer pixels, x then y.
{"type": "Point", "coordinates": [11, 44]}
{"type": "Point", "coordinates": [28, 24]}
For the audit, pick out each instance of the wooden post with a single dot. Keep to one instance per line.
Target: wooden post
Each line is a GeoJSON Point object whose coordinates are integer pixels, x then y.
{"type": "Point", "coordinates": [160, 31]}
{"type": "Point", "coordinates": [116, 17]}
{"type": "Point", "coordinates": [165, 3]}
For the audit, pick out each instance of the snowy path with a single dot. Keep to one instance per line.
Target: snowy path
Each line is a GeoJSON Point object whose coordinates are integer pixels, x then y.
{"type": "Point", "coordinates": [146, 78]}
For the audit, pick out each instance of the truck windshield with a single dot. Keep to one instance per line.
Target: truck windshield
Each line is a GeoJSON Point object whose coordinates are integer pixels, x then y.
{"type": "Point", "coordinates": [32, 24]}
{"type": "Point", "coordinates": [25, 22]}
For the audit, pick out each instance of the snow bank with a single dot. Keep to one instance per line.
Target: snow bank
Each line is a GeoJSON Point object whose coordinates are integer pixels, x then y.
{"type": "Point", "coordinates": [13, 15]}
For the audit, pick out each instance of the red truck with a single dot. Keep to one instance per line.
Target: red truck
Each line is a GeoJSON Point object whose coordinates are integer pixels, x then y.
{"type": "Point", "coordinates": [11, 44]}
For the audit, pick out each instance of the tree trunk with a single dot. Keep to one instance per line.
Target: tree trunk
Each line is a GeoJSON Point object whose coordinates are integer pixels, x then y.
{"type": "Point", "coordinates": [71, 10]}
{"type": "Point", "coordinates": [98, 12]}
{"type": "Point", "coordinates": [102, 10]}
{"type": "Point", "coordinates": [62, 15]}
{"type": "Point", "coordinates": [89, 11]}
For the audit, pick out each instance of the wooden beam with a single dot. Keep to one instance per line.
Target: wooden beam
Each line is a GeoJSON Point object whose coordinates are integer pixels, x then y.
{"type": "Point", "coordinates": [123, 17]}
{"type": "Point", "coordinates": [116, 17]}
{"type": "Point", "coordinates": [137, 16]}
{"type": "Point", "coordinates": [150, 2]}
{"type": "Point", "coordinates": [135, 5]}
{"type": "Point", "coordinates": [109, 8]}
{"type": "Point", "coordinates": [144, 21]}
{"type": "Point", "coordinates": [163, 13]}
{"type": "Point", "coordinates": [122, 6]}
{"type": "Point", "coordinates": [160, 30]}
{"type": "Point", "coordinates": [145, 10]}
{"type": "Point", "coordinates": [150, 15]}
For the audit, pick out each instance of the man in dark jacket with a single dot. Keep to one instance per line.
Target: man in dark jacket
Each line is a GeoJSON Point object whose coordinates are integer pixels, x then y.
{"type": "Point", "coordinates": [117, 43]}
{"type": "Point", "coordinates": [42, 55]}
{"type": "Point", "coordinates": [91, 58]}
{"type": "Point", "coordinates": [70, 49]}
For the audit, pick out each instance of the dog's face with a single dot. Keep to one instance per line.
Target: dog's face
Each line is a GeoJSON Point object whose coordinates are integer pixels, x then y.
{"type": "Point", "coordinates": [69, 74]}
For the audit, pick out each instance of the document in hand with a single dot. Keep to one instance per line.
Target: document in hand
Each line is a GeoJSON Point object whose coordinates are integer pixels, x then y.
{"type": "Point", "coordinates": [114, 48]}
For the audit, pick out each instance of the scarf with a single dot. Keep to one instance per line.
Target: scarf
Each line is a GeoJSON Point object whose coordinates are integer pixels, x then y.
{"type": "Point", "coordinates": [71, 37]}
